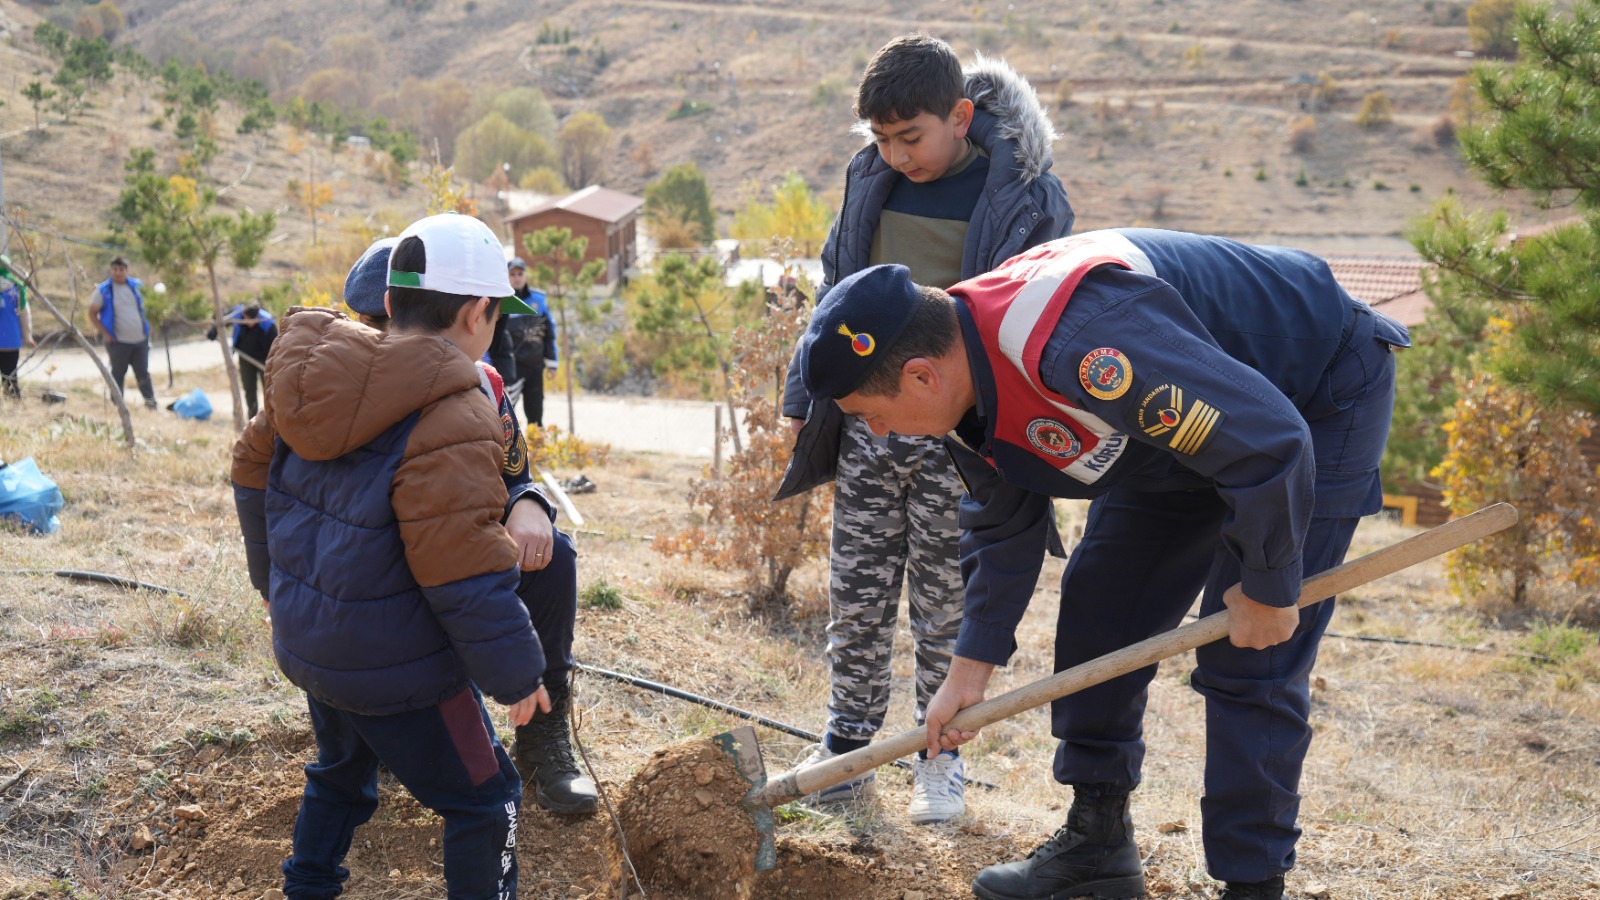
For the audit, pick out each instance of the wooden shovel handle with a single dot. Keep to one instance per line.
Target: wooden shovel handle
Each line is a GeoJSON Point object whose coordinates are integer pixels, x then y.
{"type": "Point", "coordinates": [1355, 573]}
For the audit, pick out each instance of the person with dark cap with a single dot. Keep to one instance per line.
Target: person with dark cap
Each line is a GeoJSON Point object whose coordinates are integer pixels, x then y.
{"type": "Point", "coordinates": [533, 343]}
{"type": "Point", "coordinates": [1225, 407]}
{"type": "Point", "coordinates": [117, 310]}
{"type": "Point", "coordinates": [548, 586]}
{"type": "Point", "coordinates": [253, 333]}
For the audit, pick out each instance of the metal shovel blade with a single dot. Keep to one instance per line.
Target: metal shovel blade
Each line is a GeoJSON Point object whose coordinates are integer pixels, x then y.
{"type": "Point", "coordinates": [741, 746]}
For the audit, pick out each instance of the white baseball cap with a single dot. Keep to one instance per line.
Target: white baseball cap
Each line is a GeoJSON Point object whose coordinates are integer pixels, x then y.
{"type": "Point", "coordinates": [462, 256]}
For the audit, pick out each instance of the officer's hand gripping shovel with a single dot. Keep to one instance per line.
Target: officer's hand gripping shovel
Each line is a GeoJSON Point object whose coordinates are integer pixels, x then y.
{"type": "Point", "coordinates": [741, 744]}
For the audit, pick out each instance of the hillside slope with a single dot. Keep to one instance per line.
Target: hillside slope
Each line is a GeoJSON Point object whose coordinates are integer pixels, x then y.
{"type": "Point", "coordinates": [1177, 105]}
{"type": "Point", "coordinates": [63, 179]}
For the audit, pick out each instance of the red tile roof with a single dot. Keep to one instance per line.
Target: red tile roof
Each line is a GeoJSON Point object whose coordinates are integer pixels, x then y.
{"type": "Point", "coordinates": [593, 201]}
{"type": "Point", "coordinates": [1390, 284]}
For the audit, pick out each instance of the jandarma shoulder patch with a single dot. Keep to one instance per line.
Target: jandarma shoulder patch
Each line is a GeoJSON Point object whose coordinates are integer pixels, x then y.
{"type": "Point", "coordinates": [1105, 373]}
{"type": "Point", "coordinates": [1171, 413]}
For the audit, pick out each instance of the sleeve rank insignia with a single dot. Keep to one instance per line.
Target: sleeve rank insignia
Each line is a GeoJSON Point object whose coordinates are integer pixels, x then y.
{"type": "Point", "coordinates": [1183, 420]}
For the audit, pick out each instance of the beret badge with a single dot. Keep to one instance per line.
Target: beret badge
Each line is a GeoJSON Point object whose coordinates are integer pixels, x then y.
{"type": "Point", "coordinates": [861, 342]}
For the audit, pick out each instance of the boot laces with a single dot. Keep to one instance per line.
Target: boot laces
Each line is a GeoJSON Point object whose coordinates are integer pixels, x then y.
{"type": "Point", "coordinates": [1064, 839]}
{"type": "Point", "coordinates": [550, 732]}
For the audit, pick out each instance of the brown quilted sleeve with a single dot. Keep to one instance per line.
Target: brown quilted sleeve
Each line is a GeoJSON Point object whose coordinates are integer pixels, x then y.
{"type": "Point", "coordinates": [252, 452]}
{"type": "Point", "coordinates": [448, 495]}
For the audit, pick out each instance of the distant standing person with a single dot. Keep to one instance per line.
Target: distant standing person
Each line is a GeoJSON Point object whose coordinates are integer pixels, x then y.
{"type": "Point", "coordinates": [118, 311]}
{"type": "Point", "coordinates": [16, 327]}
{"type": "Point", "coordinates": [533, 342]}
{"type": "Point", "coordinates": [253, 331]}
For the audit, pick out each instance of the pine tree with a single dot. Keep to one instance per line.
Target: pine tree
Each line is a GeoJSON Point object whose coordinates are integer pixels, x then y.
{"type": "Point", "coordinates": [1535, 133]}
{"type": "Point", "coordinates": [1513, 342]}
{"type": "Point", "coordinates": [557, 257]}
{"type": "Point", "coordinates": [687, 307]}
{"type": "Point", "coordinates": [36, 93]}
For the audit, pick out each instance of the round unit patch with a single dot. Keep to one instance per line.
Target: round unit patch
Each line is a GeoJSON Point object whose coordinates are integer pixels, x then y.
{"type": "Point", "coordinates": [1106, 373]}
{"type": "Point", "coordinates": [1053, 438]}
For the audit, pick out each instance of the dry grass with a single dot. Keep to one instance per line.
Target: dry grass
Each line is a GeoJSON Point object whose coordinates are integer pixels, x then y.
{"type": "Point", "coordinates": [1436, 773]}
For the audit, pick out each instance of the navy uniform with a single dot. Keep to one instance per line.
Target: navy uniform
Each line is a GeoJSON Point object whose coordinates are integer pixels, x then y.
{"type": "Point", "coordinates": [1226, 407]}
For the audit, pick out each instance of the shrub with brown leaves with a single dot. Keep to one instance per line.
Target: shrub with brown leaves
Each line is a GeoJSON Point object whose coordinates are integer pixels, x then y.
{"type": "Point", "coordinates": [744, 530]}
{"type": "Point", "coordinates": [1505, 445]}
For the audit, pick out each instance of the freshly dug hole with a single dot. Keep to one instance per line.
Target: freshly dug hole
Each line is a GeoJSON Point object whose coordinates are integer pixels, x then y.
{"type": "Point", "coordinates": [684, 828]}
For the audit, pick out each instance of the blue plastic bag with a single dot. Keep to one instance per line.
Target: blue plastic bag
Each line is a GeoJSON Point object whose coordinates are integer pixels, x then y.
{"type": "Point", "coordinates": [28, 496]}
{"type": "Point", "coordinates": [193, 405]}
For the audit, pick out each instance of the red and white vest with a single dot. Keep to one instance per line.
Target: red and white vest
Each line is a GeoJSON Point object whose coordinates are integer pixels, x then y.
{"type": "Point", "coordinates": [1016, 308]}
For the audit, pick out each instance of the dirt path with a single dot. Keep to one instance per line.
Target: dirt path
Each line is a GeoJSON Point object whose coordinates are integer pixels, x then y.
{"type": "Point", "coordinates": [634, 424]}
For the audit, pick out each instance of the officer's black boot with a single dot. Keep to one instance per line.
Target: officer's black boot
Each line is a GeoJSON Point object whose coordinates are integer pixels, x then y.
{"type": "Point", "coordinates": [1271, 889]}
{"type": "Point", "coordinates": [1093, 855]}
{"type": "Point", "coordinates": [543, 754]}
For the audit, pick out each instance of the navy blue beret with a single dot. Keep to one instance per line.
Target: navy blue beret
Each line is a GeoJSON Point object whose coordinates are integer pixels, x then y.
{"type": "Point", "coordinates": [854, 325]}
{"type": "Point", "coordinates": [368, 280]}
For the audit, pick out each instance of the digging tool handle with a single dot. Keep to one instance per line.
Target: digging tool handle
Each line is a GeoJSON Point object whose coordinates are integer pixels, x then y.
{"type": "Point", "coordinates": [1353, 574]}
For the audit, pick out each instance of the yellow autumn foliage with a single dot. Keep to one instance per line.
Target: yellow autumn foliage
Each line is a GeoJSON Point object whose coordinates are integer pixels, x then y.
{"type": "Point", "coordinates": [1506, 446]}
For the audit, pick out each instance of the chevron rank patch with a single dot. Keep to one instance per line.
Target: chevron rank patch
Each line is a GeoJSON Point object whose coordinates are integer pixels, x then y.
{"type": "Point", "coordinates": [1169, 413]}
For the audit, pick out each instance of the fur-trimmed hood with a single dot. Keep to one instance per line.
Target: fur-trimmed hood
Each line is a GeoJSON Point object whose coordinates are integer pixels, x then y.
{"type": "Point", "coordinates": [996, 88]}
{"type": "Point", "coordinates": [999, 90]}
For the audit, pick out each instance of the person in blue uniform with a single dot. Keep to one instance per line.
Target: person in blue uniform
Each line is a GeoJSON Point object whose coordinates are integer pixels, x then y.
{"type": "Point", "coordinates": [1225, 406]}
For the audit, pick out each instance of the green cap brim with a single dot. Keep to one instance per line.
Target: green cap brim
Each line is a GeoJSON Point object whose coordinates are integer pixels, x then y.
{"type": "Point", "coordinates": [515, 304]}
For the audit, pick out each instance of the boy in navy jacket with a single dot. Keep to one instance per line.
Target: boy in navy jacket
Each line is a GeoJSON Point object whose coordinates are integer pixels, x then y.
{"type": "Point", "coordinates": [548, 560]}
{"type": "Point", "coordinates": [370, 500]}
{"type": "Point", "coordinates": [956, 180]}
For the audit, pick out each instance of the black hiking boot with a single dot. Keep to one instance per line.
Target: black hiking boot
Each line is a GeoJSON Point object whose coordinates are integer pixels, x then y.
{"type": "Point", "coordinates": [543, 754]}
{"type": "Point", "coordinates": [1093, 855]}
{"type": "Point", "coordinates": [1271, 889]}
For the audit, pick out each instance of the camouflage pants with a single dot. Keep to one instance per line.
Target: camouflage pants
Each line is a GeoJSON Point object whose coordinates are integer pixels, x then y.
{"type": "Point", "coordinates": [894, 515]}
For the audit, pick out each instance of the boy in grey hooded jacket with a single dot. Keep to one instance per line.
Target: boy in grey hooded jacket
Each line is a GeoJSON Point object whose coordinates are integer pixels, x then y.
{"type": "Point", "coordinates": [955, 182]}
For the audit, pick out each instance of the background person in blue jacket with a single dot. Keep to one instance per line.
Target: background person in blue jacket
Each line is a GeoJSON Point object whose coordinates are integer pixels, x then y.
{"type": "Point", "coordinates": [956, 180]}
{"type": "Point", "coordinates": [253, 333]}
{"type": "Point", "coordinates": [117, 310]}
{"type": "Point", "coordinates": [370, 500]}
{"type": "Point", "coordinates": [16, 327]}
{"type": "Point", "coordinates": [548, 586]}
{"type": "Point", "coordinates": [533, 343]}
{"type": "Point", "coordinates": [1226, 407]}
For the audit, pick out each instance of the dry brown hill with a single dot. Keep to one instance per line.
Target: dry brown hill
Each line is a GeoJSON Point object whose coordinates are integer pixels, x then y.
{"type": "Point", "coordinates": [1174, 113]}
{"type": "Point", "coordinates": [1180, 112]}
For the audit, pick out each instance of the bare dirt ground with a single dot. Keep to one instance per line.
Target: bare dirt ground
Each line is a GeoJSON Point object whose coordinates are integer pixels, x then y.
{"type": "Point", "coordinates": [150, 749]}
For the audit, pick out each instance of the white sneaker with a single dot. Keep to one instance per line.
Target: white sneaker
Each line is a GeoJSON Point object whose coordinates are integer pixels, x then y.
{"type": "Point", "coordinates": [938, 789]}
{"type": "Point", "coordinates": [854, 789]}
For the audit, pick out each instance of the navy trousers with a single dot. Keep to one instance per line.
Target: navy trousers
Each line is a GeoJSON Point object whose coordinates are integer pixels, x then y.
{"type": "Point", "coordinates": [1144, 557]}
{"type": "Point", "coordinates": [551, 596]}
{"type": "Point", "coordinates": [448, 758]}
